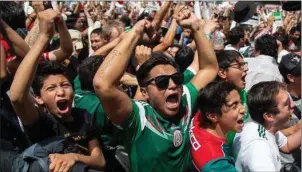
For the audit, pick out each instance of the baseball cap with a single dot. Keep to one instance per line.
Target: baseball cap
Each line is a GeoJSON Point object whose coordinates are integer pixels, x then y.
{"type": "Point", "coordinates": [290, 64]}
{"type": "Point", "coordinates": [76, 37]}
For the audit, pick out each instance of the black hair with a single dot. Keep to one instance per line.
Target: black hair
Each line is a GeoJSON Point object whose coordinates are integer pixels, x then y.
{"type": "Point", "coordinates": [13, 14]}
{"type": "Point", "coordinates": [97, 31]}
{"type": "Point", "coordinates": [261, 99]}
{"type": "Point", "coordinates": [126, 20]}
{"type": "Point", "coordinates": [184, 57]}
{"type": "Point", "coordinates": [211, 99]}
{"type": "Point", "coordinates": [157, 58]}
{"type": "Point", "coordinates": [267, 45]}
{"type": "Point", "coordinates": [235, 35]}
{"type": "Point", "coordinates": [87, 70]}
{"type": "Point", "coordinates": [226, 57]}
{"type": "Point", "coordinates": [45, 69]}
{"type": "Point", "coordinates": [71, 20]}
{"type": "Point", "coordinates": [294, 29]}
{"type": "Point", "coordinates": [284, 40]}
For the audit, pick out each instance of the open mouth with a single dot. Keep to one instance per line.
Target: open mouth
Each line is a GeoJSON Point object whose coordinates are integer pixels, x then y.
{"type": "Point", "coordinates": [240, 121]}
{"type": "Point", "coordinates": [243, 79]}
{"type": "Point", "coordinates": [63, 106]}
{"type": "Point", "coordinates": [172, 101]}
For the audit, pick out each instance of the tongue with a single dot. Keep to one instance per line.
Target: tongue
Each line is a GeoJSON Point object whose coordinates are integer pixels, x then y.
{"type": "Point", "coordinates": [171, 100]}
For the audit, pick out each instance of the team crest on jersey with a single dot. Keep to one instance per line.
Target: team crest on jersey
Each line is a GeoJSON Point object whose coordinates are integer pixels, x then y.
{"type": "Point", "coordinates": [177, 138]}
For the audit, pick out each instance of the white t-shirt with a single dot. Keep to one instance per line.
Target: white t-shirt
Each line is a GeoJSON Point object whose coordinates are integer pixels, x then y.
{"type": "Point", "coordinates": [256, 149]}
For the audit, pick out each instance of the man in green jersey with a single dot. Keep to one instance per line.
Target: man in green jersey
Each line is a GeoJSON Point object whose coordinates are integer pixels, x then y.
{"type": "Point", "coordinates": [157, 131]}
{"type": "Point", "coordinates": [233, 69]}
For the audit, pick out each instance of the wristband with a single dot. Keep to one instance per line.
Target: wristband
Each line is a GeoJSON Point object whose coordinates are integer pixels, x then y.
{"type": "Point", "coordinates": [209, 35]}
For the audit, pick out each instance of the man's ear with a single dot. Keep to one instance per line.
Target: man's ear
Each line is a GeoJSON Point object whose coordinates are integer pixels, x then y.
{"type": "Point", "coordinates": [144, 93]}
{"type": "Point", "coordinates": [222, 73]}
{"type": "Point", "coordinates": [212, 117]}
{"type": "Point", "coordinates": [39, 100]}
{"type": "Point", "coordinates": [268, 117]}
{"type": "Point", "coordinates": [290, 77]}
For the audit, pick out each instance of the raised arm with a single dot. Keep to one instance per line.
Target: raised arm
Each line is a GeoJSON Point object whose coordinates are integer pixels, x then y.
{"type": "Point", "coordinates": [3, 72]}
{"type": "Point", "coordinates": [156, 23]}
{"type": "Point", "coordinates": [104, 50]}
{"type": "Point", "coordinates": [117, 105]}
{"type": "Point", "coordinates": [66, 48]}
{"type": "Point", "coordinates": [19, 91]}
{"type": "Point", "coordinates": [208, 66]}
{"type": "Point", "coordinates": [17, 43]}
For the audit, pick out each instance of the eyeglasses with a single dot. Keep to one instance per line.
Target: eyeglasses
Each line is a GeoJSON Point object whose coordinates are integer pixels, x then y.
{"type": "Point", "coordinates": [162, 82]}
{"type": "Point", "coordinates": [241, 66]}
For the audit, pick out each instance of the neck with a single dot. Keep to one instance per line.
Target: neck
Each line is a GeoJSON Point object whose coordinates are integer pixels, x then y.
{"type": "Point", "coordinates": [216, 130]}
{"type": "Point", "coordinates": [237, 47]}
{"type": "Point", "coordinates": [271, 128]}
{"type": "Point", "coordinates": [294, 91]}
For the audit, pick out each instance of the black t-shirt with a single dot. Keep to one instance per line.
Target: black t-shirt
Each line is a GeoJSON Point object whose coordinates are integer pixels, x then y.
{"type": "Point", "coordinates": [80, 131]}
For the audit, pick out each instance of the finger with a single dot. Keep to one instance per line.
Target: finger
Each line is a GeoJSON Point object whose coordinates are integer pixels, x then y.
{"type": "Point", "coordinates": [149, 52]}
{"type": "Point", "coordinates": [52, 166]}
{"type": "Point", "coordinates": [62, 167]}
{"type": "Point", "coordinates": [67, 167]}
{"type": "Point", "coordinates": [58, 166]}
{"type": "Point", "coordinates": [145, 51]}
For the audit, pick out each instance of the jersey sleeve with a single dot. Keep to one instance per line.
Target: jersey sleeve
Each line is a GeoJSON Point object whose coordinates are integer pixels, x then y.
{"type": "Point", "coordinates": [135, 124]}
{"type": "Point", "coordinates": [257, 157]}
{"type": "Point", "coordinates": [189, 73]}
{"type": "Point", "coordinates": [281, 139]}
{"type": "Point", "coordinates": [190, 91]}
{"type": "Point", "coordinates": [221, 164]}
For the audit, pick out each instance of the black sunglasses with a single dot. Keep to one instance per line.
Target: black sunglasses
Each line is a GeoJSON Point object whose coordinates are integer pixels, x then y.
{"type": "Point", "coordinates": [162, 82]}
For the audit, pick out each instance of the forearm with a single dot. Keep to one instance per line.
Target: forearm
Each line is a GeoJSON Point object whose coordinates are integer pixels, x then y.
{"type": "Point", "coordinates": [107, 48]}
{"type": "Point", "coordinates": [91, 161]}
{"type": "Point", "coordinates": [66, 48]}
{"type": "Point", "coordinates": [26, 71]}
{"type": "Point", "coordinates": [206, 54]}
{"type": "Point", "coordinates": [33, 34]}
{"type": "Point", "coordinates": [294, 141]}
{"type": "Point", "coordinates": [129, 79]}
{"type": "Point", "coordinates": [160, 15]}
{"type": "Point", "coordinates": [112, 69]}
{"type": "Point", "coordinates": [18, 44]}
{"type": "Point", "coordinates": [3, 72]}
{"type": "Point", "coordinates": [168, 39]}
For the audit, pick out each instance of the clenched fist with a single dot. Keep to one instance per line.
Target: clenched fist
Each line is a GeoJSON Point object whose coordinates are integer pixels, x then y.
{"type": "Point", "coordinates": [142, 54]}
{"type": "Point", "coordinates": [47, 19]}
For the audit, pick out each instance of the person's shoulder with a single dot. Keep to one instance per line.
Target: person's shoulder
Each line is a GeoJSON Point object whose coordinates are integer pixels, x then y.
{"type": "Point", "coordinates": [206, 148]}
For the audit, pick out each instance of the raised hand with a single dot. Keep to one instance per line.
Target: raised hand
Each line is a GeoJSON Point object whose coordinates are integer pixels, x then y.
{"type": "Point", "coordinates": [141, 26]}
{"type": "Point", "coordinates": [142, 54]}
{"type": "Point", "coordinates": [210, 26]}
{"type": "Point", "coordinates": [186, 19]}
{"type": "Point", "coordinates": [46, 22]}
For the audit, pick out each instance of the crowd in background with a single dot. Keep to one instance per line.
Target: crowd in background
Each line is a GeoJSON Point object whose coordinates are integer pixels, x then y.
{"type": "Point", "coordinates": [150, 86]}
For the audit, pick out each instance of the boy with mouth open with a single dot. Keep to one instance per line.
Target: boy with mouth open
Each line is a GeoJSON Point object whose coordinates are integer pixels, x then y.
{"type": "Point", "coordinates": [54, 92]}
{"type": "Point", "coordinates": [221, 111]}
{"type": "Point", "coordinates": [156, 131]}
{"type": "Point", "coordinates": [233, 69]}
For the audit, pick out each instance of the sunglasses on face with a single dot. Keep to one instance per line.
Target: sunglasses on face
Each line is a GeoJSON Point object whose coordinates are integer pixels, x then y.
{"type": "Point", "coordinates": [241, 66]}
{"type": "Point", "coordinates": [162, 82]}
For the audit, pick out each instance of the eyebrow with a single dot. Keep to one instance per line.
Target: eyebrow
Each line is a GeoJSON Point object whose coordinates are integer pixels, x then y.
{"type": "Point", "coordinates": [232, 103]}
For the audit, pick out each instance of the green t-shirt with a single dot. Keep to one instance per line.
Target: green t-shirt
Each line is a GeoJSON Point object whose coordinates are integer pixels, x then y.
{"type": "Point", "coordinates": [88, 100]}
{"type": "Point", "coordinates": [157, 144]}
{"type": "Point", "coordinates": [188, 75]}
{"type": "Point", "coordinates": [231, 135]}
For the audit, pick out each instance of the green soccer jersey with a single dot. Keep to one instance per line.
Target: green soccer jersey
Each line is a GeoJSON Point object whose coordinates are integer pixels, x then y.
{"type": "Point", "coordinates": [231, 134]}
{"type": "Point", "coordinates": [157, 144]}
{"type": "Point", "coordinates": [88, 100]}
{"type": "Point", "coordinates": [189, 73]}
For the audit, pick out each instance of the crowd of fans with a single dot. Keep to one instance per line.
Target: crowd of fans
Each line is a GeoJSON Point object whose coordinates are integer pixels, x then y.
{"type": "Point", "coordinates": [149, 86]}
